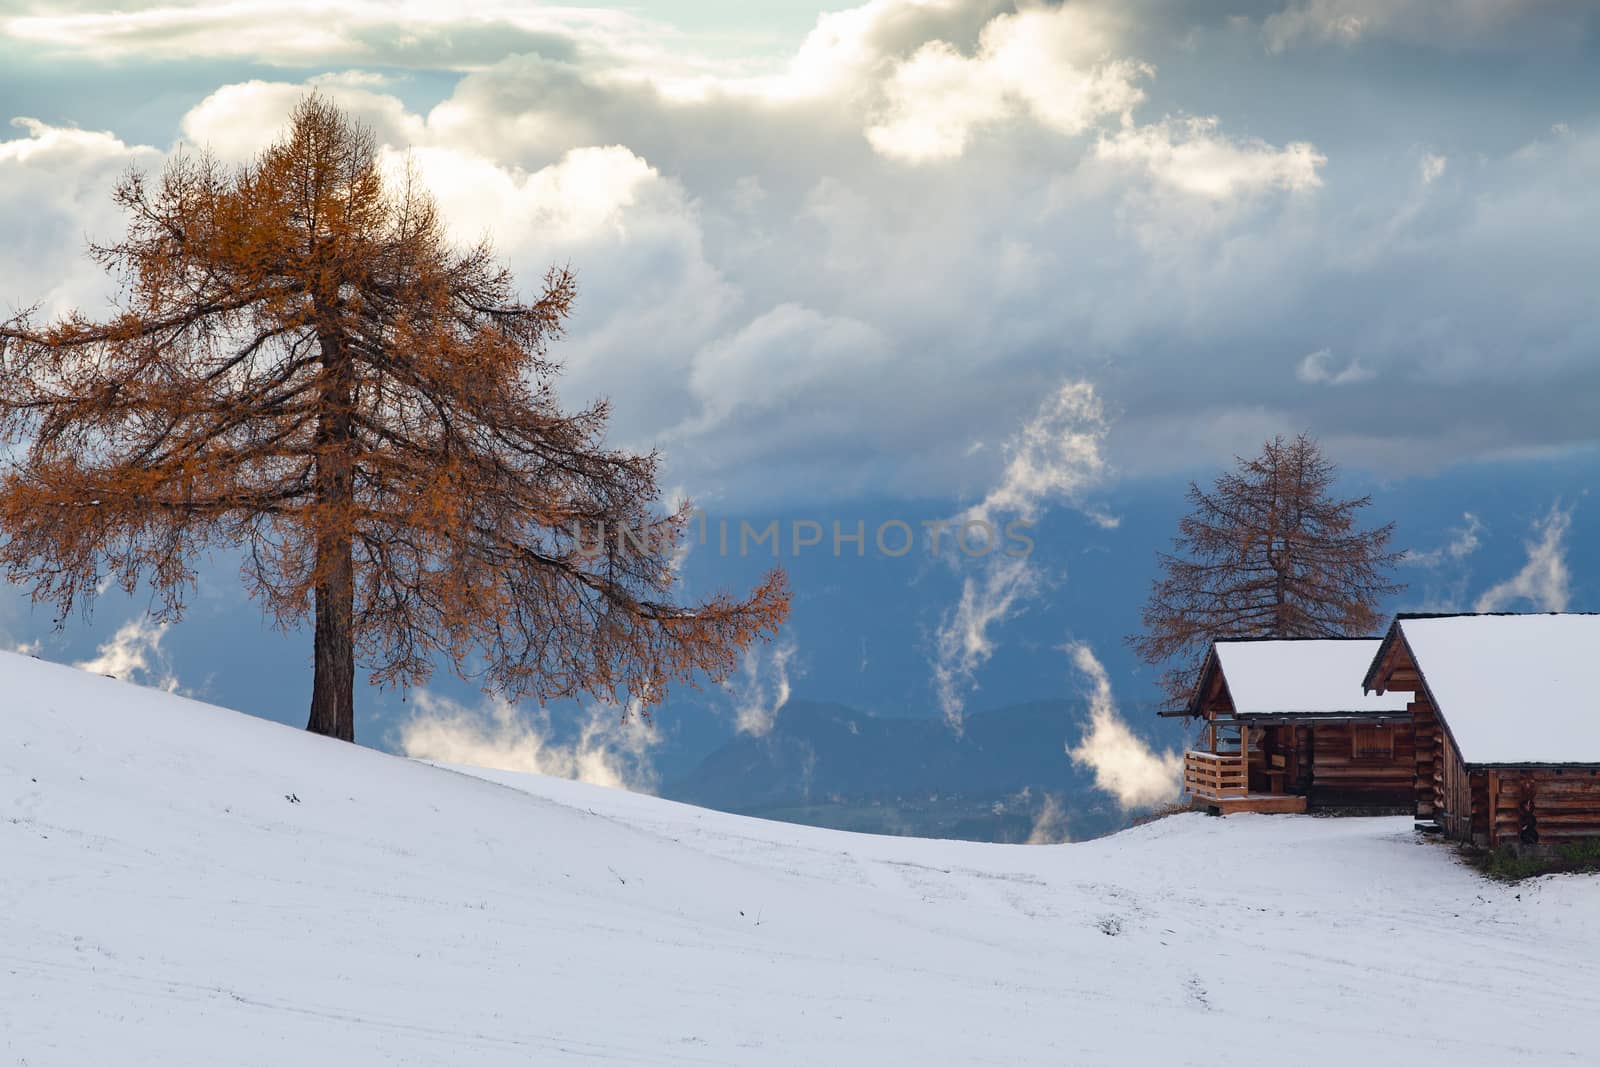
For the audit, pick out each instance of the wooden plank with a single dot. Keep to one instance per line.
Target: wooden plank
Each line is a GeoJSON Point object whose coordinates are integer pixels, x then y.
{"type": "Point", "coordinates": [1263, 803]}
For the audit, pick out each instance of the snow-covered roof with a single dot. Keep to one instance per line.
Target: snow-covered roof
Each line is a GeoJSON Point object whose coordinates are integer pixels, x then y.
{"type": "Point", "coordinates": [1513, 688]}
{"type": "Point", "coordinates": [1302, 677]}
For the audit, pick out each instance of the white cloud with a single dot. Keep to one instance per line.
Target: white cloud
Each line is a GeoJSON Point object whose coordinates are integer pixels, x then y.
{"type": "Point", "coordinates": [778, 354]}
{"type": "Point", "coordinates": [61, 145]}
{"type": "Point", "coordinates": [934, 104]}
{"type": "Point", "coordinates": [1464, 541]}
{"type": "Point", "coordinates": [1124, 764]}
{"type": "Point", "coordinates": [761, 688]}
{"type": "Point", "coordinates": [1544, 582]}
{"type": "Point", "coordinates": [1345, 22]}
{"type": "Point", "coordinates": [237, 121]}
{"type": "Point", "coordinates": [1050, 64]}
{"type": "Point", "coordinates": [1431, 167]}
{"type": "Point", "coordinates": [1342, 21]}
{"type": "Point", "coordinates": [55, 188]}
{"type": "Point", "coordinates": [611, 748]}
{"type": "Point", "coordinates": [133, 654]}
{"type": "Point", "coordinates": [848, 52]}
{"type": "Point", "coordinates": [298, 33]}
{"type": "Point", "coordinates": [1055, 456]}
{"type": "Point", "coordinates": [585, 196]}
{"type": "Point", "coordinates": [1318, 369]}
{"type": "Point", "coordinates": [840, 57]}
{"type": "Point", "coordinates": [1050, 823]}
{"type": "Point", "coordinates": [1193, 157]}
{"type": "Point", "coordinates": [962, 644]}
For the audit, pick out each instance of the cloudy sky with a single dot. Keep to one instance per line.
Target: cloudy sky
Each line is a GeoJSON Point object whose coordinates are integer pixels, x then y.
{"type": "Point", "coordinates": [1017, 256]}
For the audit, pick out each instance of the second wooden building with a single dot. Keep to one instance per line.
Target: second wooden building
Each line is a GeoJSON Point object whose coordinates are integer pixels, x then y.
{"type": "Point", "coordinates": [1287, 727]}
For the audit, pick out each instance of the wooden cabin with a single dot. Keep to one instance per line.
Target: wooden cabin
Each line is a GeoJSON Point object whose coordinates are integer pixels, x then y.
{"type": "Point", "coordinates": [1506, 714]}
{"type": "Point", "coordinates": [1287, 728]}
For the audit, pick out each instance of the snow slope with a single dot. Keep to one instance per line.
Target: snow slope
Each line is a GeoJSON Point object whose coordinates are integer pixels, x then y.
{"type": "Point", "coordinates": [162, 901]}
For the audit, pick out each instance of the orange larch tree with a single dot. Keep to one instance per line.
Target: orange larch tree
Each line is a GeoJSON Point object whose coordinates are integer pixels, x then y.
{"type": "Point", "coordinates": [304, 368]}
{"type": "Point", "coordinates": [1268, 551]}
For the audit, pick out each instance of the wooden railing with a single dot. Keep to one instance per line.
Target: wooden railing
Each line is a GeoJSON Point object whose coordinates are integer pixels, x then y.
{"type": "Point", "coordinates": [1212, 775]}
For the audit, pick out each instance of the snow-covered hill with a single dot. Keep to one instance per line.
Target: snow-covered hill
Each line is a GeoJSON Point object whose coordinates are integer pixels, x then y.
{"type": "Point", "coordinates": [181, 884]}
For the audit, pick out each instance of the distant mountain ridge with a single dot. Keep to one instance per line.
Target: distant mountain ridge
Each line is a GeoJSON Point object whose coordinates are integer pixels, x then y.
{"type": "Point", "coordinates": [1005, 777]}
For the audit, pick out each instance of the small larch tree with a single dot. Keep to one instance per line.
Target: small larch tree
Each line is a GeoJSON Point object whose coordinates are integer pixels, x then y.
{"type": "Point", "coordinates": [1268, 551]}
{"type": "Point", "coordinates": [302, 367]}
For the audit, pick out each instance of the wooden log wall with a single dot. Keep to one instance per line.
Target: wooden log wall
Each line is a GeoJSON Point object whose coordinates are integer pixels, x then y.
{"type": "Point", "coordinates": [1453, 791]}
{"type": "Point", "coordinates": [1340, 777]}
{"type": "Point", "coordinates": [1539, 805]}
{"type": "Point", "coordinates": [1321, 761]}
{"type": "Point", "coordinates": [1425, 740]}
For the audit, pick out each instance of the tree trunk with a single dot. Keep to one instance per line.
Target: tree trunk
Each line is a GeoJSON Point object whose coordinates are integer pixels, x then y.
{"type": "Point", "coordinates": [333, 698]}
